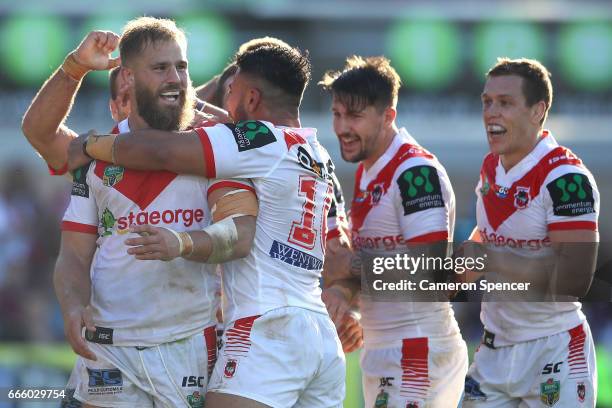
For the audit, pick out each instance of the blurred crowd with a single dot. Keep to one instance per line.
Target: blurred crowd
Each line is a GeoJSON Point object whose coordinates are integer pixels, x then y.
{"type": "Point", "coordinates": [29, 244]}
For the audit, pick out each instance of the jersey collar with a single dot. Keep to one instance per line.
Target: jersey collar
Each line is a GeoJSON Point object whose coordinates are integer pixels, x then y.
{"type": "Point", "coordinates": [546, 143]}
{"type": "Point", "coordinates": [400, 138]}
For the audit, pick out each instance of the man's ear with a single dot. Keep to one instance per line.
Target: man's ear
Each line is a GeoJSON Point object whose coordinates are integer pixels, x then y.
{"type": "Point", "coordinates": [538, 111]}
{"type": "Point", "coordinates": [390, 115]}
{"type": "Point", "coordinates": [254, 99]}
{"type": "Point", "coordinates": [127, 77]}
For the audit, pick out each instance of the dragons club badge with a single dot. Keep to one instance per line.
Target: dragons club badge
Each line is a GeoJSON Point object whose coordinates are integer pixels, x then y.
{"type": "Point", "coordinates": [521, 197]}
{"type": "Point", "coordinates": [230, 368]}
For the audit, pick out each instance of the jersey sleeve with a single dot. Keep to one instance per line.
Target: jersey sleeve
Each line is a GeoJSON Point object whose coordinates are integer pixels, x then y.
{"type": "Point", "coordinates": [245, 184]}
{"type": "Point", "coordinates": [82, 212]}
{"type": "Point", "coordinates": [423, 200]}
{"type": "Point", "coordinates": [571, 199]}
{"type": "Point", "coordinates": [249, 149]}
{"type": "Point", "coordinates": [337, 223]}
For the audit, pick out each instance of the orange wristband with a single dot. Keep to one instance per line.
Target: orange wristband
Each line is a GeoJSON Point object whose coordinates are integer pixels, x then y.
{"type": "Point", "coordinates": [73, 69]}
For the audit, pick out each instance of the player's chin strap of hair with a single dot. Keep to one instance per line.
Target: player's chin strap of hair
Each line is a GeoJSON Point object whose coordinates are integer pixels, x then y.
{"type": "Point", "coordinates": [222, 232]}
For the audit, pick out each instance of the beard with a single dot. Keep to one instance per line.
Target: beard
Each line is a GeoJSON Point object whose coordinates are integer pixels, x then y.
{"type": "Point", "coordinates": [356, 155]}
{"type": "Point", "coordinates": [355, 158]}
{"type": "Point", "coordinates": [239, 114]}
{"type": "Point", "coordinates": [164, 117]}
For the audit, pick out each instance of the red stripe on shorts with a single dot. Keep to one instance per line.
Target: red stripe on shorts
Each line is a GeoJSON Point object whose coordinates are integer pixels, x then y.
{"type": "Point", "coordinates": [576, 358]}
{"type": "Point", "coordinates": [210, 338]}
{"type": "Point", "coordinates": [415, 369]}
{"type": "Point", "coordinates": [238, 338]}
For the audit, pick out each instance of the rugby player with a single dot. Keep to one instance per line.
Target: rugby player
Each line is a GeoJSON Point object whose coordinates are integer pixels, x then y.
{"type": "Point", "coordinates": [413, 354]}
{"type": "Point", "coordinates": [533, 196]}
{"type": "Point", "coordinates": [43, 123]}
{"type": "Point", "coordinates": [142, 352]}
{"type": "Point", "coordinates": [215, 90]}
{"type": "Point", "coordinates": [280, 347]}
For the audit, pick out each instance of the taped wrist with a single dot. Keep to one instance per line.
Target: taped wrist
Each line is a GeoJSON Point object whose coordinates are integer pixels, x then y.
{"type": "Point", "coordinates": [185, 242]}
{"type": "Point", "coordinates": [73, 69]}
{"type": "Point", "coordinates": [101, 147]}
{"type": "Point", "coordinates": [224, 236]}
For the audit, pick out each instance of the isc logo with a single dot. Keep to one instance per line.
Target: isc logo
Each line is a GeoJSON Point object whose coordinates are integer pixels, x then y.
{"type": "Point", "coordinates": [552, 368]}
{"type": "Point", "coordinates": [386, 381]}
{"type": "Point", "coordinates": [193, 381]}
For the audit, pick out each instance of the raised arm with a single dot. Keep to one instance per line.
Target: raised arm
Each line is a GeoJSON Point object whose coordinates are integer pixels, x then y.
{"type": "Point", "coordinates": [73, 287]}
{"type": "Point", "coordinates": [43, 122]}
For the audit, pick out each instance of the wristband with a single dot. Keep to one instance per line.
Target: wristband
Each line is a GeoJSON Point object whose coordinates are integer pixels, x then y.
{"type": "Point", "coordinates": [73, 69]}
{"type": "Point", "coordinates": [187, 243]}
{"type": "Point", "coordinates": [101, 147]}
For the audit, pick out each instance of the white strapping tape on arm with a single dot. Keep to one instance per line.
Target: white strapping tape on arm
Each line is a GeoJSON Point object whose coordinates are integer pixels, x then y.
{"type": "Point", "coordinates": [224, 236]}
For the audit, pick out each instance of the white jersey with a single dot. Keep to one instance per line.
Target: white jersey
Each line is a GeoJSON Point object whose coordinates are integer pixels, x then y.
{"type": "Point", "coordinates": [143, 303]}
{"type": "Point", "coordinates": [291, 173]}
{"type": "Point", "coordinates": [550, 189]}
{"type": "Point", "coordinates": [390, 209]}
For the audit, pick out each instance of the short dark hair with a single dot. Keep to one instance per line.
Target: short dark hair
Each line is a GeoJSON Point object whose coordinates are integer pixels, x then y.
{"type": "Point", "coordinates": [260, 42]}
{"type": "Point", "coordinates": [113, 74]}
{"type": "Point", "coordinates": [284, 68]}
{"type": "Point", "coordinates": [536, 79]}
{"type": "Point", "coordinates": [364, 82]}
{"type": "Point", "coordinates": [228, 72]}
{"type": "Point", "coordinates": [143, 31]}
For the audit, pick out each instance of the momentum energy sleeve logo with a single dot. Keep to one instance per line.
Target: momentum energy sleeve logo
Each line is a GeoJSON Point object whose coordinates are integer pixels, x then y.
{"type": "Point", "coordinates": [251, 134]}
{"type": "Point", "coordinates": [572, 195]}
{"type": "Point", "coordinates": [420, 189]}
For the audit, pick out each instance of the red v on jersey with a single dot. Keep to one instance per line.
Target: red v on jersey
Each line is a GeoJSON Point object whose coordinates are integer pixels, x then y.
{"type": "Point", "coordinates": [362, 204]}
{"type": "Point", "coordinates": [499, 209]}
{"type": "Point", "coordinates": [142, 187]}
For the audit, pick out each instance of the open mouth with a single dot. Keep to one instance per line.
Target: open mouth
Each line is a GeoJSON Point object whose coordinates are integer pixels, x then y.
{"type": "Point", "coordinates": [170, 96]}
{"type": "Point", "coordinates": [349, 142]}
{"type": "Point", "coordinates": [495, 130]}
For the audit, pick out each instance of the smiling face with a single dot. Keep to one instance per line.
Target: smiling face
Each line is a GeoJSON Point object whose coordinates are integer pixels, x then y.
{"type": "Point", "coordinates": [359, 132]}
{"type": "Point", "coordinates": [162, 88]}
{"type": "Point", "coordinates": [512, 126]}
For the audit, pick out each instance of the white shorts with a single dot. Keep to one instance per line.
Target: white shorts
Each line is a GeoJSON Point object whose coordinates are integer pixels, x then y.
{"type": "Point", "coordinates": [168, 375]}
{"type": "Point", "coordinates": [415, 373]}
{"type": "Point", "coordinates": [557, 370]}
{"type": "Point", "coordinates": [288, 357]}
